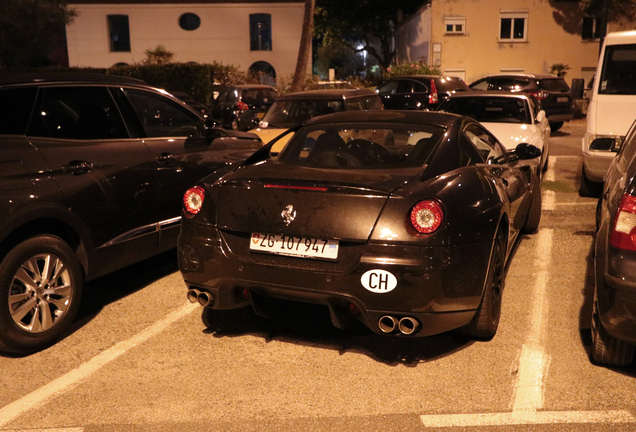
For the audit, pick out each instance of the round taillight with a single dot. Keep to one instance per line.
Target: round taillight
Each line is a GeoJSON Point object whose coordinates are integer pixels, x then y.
{"type": "Point", "coordinates": [193, 199]}
{"type": "Point", "coordinates": [427, 216]}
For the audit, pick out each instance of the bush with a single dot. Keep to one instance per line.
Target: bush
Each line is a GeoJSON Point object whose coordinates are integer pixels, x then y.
{"type": "Point", "coordinates": [414, 68]}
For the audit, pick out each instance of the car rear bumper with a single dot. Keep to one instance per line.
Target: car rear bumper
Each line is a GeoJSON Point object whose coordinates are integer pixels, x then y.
{"type": "Point", "coordinates": [596, 164]}
{"type": "Point", "coordinates": [439, 288]}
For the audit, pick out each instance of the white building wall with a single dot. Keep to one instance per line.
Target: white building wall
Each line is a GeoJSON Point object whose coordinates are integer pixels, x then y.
{"type": "Point", "coordinates": [223, 36]}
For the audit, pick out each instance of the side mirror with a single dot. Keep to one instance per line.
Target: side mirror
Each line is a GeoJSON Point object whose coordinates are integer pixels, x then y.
{"type": "Point", "coordinates": [540, 116]}
{"type": "Point", "coordinates": [527, 151]}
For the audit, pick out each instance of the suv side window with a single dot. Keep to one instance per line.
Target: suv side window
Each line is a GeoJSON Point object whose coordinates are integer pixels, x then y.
{"type": "Point", "coordinates": [16, 105]}
{"type": "Point", "coordinates": [356, 104]}
{"type": "Point", "coordinates": [404, 87]}
{"type": "Point", "coordinates": [418, 87]}
{"type": "Point", "coordinates": [481, 85]}
{"type": "Point", "coordinates": [77, 113]}
{"type": "Point", "coordinates": [502, 84]}
{"type": "Point", "coordinates": [160, 117]}
{"type": "Point", "coordinates": [388, 88]}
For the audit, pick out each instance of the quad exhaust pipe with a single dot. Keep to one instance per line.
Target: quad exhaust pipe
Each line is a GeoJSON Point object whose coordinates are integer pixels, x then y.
{"type": "Point", "coordinates": [204, 298]}
{"type": "Point", "coordinates": [406, 325]}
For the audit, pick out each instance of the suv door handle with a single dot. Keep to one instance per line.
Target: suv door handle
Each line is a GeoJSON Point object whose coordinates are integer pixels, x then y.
{"type": "Point", "coordinates": [76, 167]}
{"type": "Point", "coordinates": [165, 158]}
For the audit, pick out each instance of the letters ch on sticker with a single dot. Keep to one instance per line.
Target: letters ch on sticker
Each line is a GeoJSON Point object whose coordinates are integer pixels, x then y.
{"type": "Point", "coordinates": [289, 214]}
{"type": "Point", "coordinates": [379, 281]}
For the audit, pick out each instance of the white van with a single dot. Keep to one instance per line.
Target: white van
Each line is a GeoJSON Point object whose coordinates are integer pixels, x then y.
{"type": "Point", "coordinates": [612, 108]}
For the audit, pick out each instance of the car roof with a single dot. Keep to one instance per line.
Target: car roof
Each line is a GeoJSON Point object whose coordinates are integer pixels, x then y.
{"type": "Point", "coordinates": [327, 94]}
{"type": "Point", "coordinates": [66, 77]}
{"type": "Point", "coordinates": [521, 75]}
{"type": "Point", "coordinates": [394, 116]}
{"type": "Point", "coordinates": [252, 86]}
{"type": "Point", "coordinates": [490, 93]}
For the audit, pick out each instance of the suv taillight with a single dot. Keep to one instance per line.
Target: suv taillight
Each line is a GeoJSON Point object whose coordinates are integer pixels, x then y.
{"type": "Point", "coordinates": [193, 199]}
{"type": "Point", "coordinates": [624, 232]}
{"type": "Point", "coordinates": [242, 106]}
{"type": "Point", "coordinates": [432, 97]}
{"type": "Point", "coordinates": [540, 95]}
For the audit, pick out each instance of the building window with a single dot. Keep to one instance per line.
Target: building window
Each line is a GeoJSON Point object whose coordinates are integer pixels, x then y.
{"type": "Point", "coordinates": [119, 33]}
{"type": "Point", "coordinates": [260, 32]}
{"type": "Point", "coordinates": [592, 28]}
{"type": "Point", "coordinates": [189, 21]}
{"type": "Point", "coordinates": [455, 26]}
{"type": "Point", "coordinates": [513, 26]}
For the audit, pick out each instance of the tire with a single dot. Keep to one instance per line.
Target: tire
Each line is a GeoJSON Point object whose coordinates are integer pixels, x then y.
{"type": "Point", "coordinates": [486, 320]}
{"type": "Point", "coordinates": [26, 291]}
{"type": "Point", "coordinates": [556, 126]}
{"type": "Point", "coordinates": [588, 187]}
{"type": "Point", "coordinates": [531, 224]}
{"type": "Point", "coordinates": [606, 349]}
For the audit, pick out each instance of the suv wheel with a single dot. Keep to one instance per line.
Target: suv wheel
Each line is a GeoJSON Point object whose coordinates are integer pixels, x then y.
{"type": "Point", "coordinates": [606, 349]}
{"type": "Point", "coordinates": [40, 289]}
{"type": "Point", "coordinates": [556, 126]}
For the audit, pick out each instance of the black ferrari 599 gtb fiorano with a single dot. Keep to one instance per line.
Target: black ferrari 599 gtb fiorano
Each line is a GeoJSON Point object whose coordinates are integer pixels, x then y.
{"type": "Point", "coordinates": [401, 220]}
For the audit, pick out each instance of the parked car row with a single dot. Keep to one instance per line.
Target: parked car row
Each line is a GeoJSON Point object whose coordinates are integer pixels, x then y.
{"type": "Point", "coordinates": [95, 169]}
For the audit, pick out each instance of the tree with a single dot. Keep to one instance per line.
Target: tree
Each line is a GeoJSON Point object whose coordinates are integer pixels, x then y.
{"type": "Point", "coordinates": [365, 25]}
{"type": "Point", "coordinates": [609, 10]}
{"type": "Point", "coordinates": [159, 55]}
{"type": "Point", "coordinates": [304, 51]}
{"type": "Point", "coordinates": [31, 31]}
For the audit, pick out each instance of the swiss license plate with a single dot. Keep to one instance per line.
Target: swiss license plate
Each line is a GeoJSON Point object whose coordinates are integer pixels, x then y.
{"type": "Point", "coordinates": [301, 247]}
{"type": "Point", "coordinates": [562, 99]}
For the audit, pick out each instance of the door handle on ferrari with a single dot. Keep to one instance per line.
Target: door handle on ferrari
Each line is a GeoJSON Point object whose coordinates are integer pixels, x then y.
{"type": "Point", "coordinates": [165, 158]}
{"type": "Point", "coordinates": [77, 167]}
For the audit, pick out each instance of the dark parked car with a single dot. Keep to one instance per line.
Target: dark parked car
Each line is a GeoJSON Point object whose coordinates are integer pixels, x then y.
{"type": "Point", "coordinates": [614, 310]}
{"type": "Point", "coordinates": [418, 91]}
{"type": "Point", "coordinates": [293, 109]}
{"type": "Point", "coordinates": [241, 107]}
{"type": "Point", "coordinates": [552, 92]}
{"type": "Point", "coordinates": [402, 220]}
{"type": "Point", "coordinates": [92, 173]}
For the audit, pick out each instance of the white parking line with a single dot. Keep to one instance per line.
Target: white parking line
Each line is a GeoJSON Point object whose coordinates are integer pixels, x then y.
{"type": "Point", "coordinates": [58, 386]}
{"type": "Point", "coordinates": [73, 429]}
{"type": "Point", "coordinates": [533, 363]}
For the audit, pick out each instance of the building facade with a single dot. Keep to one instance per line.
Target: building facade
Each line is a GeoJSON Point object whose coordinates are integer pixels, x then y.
{"type": "Point", "coordinates": [250, 34]}
{"type": "Point", "coordinates": [474, 38]}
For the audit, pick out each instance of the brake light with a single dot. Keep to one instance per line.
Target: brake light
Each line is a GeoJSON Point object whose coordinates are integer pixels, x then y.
{"type": "Point", "coordinates": [242, 106]}
{"type": "Point", "coordinates": [624, 232]}
{"type": "Point", "coordinates": [427, 216]}
{"type": "Point", "coordinates": [540, 95]}
{"type": "Point", "coordinates": [193, 199]}
{"type": "Point", "coordinates": [432, 97]}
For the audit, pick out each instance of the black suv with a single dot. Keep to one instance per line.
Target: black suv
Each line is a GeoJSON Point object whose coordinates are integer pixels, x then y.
{"type": "Point", "coordinates": [92, 175]}
{"type": "Point", "coordinates": [418, 91]}
{"type": "Point", "coordinates": [241, 107]}
{"type": "Point", "coordinates": [552, 92]}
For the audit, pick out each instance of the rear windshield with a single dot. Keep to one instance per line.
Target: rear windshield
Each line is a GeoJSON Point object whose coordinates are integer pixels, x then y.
{"type": "Point", "coordinates": [619, 70]}
{"type": "Point", "coordinates": [290, 113]}
{"type": "Point", "coordinates": [491, 109]}
{"type": "Point", "coordinates": [258, 96]}
{"type": "Point", "coordinates": [363, 146]}
{"type": "Point", "coordinates": [554, 85]}
{"type": "Point", "coordinates": [450, 84]}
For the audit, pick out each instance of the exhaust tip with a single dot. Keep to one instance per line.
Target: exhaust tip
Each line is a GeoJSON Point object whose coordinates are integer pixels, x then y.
{"type": "Point", "coordinates": [193, 295]}
{"type": "Point", "coordinates": [408, 325]}
{"type": "Point", "coordinates": [205, 299]}
{"type": "Point", "coordinates": [387, 323]}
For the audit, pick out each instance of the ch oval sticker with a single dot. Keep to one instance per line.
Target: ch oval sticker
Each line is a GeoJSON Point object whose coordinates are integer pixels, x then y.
{"type": "Point", "coordinates": [378, 281]}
